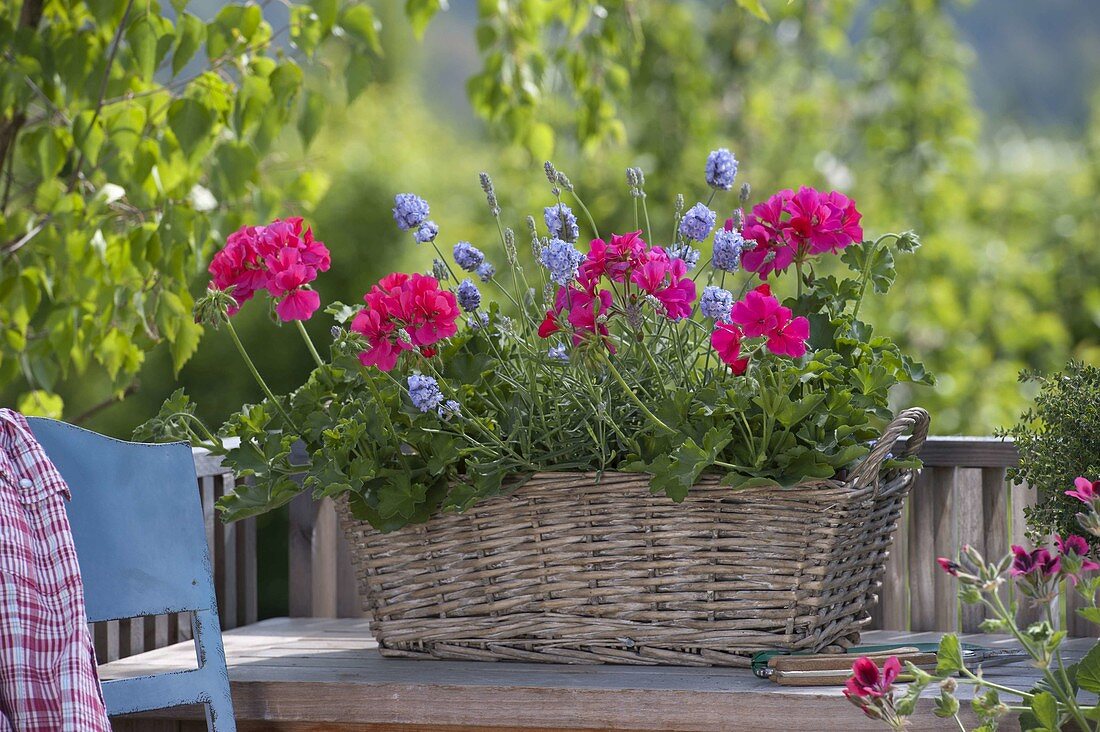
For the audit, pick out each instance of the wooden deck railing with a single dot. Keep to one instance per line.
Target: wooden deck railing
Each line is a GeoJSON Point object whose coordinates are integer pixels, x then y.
{"type": "Point", "coordinates": [960, 498]}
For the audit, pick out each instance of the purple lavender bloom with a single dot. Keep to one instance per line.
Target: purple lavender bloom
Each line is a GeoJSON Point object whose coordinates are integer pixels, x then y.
{"type": "Point", "coordinates": [562, 259]}
{"type": "Point", "coordinates": [558, 353]}
{"type": "Point", "coordinates": [561, 222]}
{"type": "Point", "coordinates": [450, 408]}
{"type": "Point", "coordinates": [427, 232]}
{"type": "Point", "coordinates": [485, 271]}
{"type": "Point", "coordinates": [467, 256]}
{"type": "Point", "coordinates": [697, 222]}
{"type": "Point", "coordinates": [468, 296]}
{"type": "Point", "coordinates": [716, 303]}
{"type": "Point", "coordinates": [721, 169]}
{"type": "Point", "coordinates": [409, 210]}
{"type": "Point", "coordinates": [686, 253]}
{"type": "Point", "coordinates": [728, 246]}
{"type": "Point", "coordinates": [424, 392]}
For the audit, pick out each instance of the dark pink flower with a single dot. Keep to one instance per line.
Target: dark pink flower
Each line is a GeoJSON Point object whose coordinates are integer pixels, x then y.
{"type": "Point", "coordinates": [726, 341]}
{"type": "Point", "coordinates": [790, 226]}
{"type": "Point", "coordinates": [434, 311]}
{"type": "Point", "coordinates": [581, 309]}
{"type": "Point", "coordinates": [383, 348]}
{"type": "Point", "coordinates": [404, 312]}
{"type": "Point", "coordinates": [667, 281]}
{"type": "Point", "coordinates": [1073, 551]}
{"type": "Point", "coordinates": [613, 259]}
{"type": "Point", "coordinates": [765, 225]}
{"type": "Point", "coordinates": [280, 258]}
{"type": "Point", "coordinates": [868, 681]}
{"type": "Point", "coordinates": [1072, 544]}
{"type": "Point", "coordinates": [298, 305]}
{"type": "Point", "coordinates": [239, 266]}
{"type": "Point", "coordinates": [848, 229]}
{"type": "Point", "coordinates": [1086, 491]}
{"type": "Point", "coordinates": [1037, 562]}
{"type": "Point", "coordinates": [949, 565]}
{"type": "Point", "coordinates": [789, 339]}
{"type": "Point", "coordinates": [759, 313]}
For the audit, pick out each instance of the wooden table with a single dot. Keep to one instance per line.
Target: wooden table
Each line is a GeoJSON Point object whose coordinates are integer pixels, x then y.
{"type": "Point", "coordinates": [326, 675]}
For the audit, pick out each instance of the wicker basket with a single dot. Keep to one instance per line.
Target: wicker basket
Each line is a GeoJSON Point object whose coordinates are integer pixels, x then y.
{"type": "Point", "coordinates": [571, 568]}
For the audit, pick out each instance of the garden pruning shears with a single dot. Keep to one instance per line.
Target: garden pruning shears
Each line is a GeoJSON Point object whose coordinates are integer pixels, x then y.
{"type": "Point", "coordinates": [831, 669]}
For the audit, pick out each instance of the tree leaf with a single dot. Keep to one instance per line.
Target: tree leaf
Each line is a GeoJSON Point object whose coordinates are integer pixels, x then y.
{"type": "Point", "coordinates": [358, 22]}
{"type": "Point", "coordinates": [192, 34]}
{"type": "Point", "coordinates": [191, 122]}
{"type": "Point", "coordinates": [756, 8]}
{"type": "Point", "coordinates": [311, 116]}
{"type": "Point", "coordinates": [142, 39]}
{"type": "Point", "coordinates": [420, 13]}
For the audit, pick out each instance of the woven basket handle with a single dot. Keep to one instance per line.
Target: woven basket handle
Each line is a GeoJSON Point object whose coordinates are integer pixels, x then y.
{"type": "Point", "coordinates": [914, 420]}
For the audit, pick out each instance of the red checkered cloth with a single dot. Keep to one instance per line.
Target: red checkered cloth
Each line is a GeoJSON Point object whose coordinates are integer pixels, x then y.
{"type": "Point", "coordinates": [48, 680]}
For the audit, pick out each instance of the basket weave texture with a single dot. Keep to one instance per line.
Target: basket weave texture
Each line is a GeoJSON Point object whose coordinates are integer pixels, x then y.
{"type": "Point", "coordinates": [580, 568]}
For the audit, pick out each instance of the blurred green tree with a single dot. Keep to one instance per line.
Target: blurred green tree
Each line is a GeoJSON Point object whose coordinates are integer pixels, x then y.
{"type": "Point", "coordinates": [129, 135]}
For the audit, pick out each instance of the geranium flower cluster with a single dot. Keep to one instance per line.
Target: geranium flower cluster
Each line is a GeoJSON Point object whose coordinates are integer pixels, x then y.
{"type": "Point", "coordinates": [639, 271]}
{"type": "Point", "coordinates": [280, 258]}
{"type": "Point", "coordinates": [791, 226]}
{"type": "Point", "coordinates": [759, 315]}
{"type": "Point", "coordinates": [404, 313]}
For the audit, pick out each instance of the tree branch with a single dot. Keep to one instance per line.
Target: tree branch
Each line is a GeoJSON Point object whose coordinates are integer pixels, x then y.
{"type": "Point", "coordinates": [29, 17]}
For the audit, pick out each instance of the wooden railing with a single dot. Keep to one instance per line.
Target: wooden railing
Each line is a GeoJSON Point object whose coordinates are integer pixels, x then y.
{"type": "Point", "coordinates": [961, 497]}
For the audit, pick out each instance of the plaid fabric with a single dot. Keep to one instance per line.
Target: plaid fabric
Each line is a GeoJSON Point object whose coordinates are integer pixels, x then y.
{"type": "Point", "coordinates": [48, 680]}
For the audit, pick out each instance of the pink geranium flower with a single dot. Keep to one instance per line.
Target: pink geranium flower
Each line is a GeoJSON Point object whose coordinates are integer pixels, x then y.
{"type": "Point", "coordinates": [791, 226]}
{"type": "Point", "coordinates": [582, 309]}
{"type": "Point", "coordinates": [404, 312]}
{"type": "Point", "coordinates": [667, 281]}
{"type": "Point", "coordinates": [280, 258]}
{"type": "Point", "coordinates": [868, 681]}
{"type": "Point", "coordinates": [611, 259]}
{"type": "Point", "coordinates": [1073, 551]}
{"type": "Point", "coordinates": [726, 341]}
{"type": "Point", "coordinates": [789, 339]}
{"type": "Point", "coordinates": [1037, 562]}
{"type": "Point", "coordinates": [1086, 491]}
{"type": "Point", "coordinates": [759, 313]}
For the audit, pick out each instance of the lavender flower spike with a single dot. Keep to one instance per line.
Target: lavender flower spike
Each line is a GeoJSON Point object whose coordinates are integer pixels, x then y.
{"type": "Point", "coordinates": [409, 210]}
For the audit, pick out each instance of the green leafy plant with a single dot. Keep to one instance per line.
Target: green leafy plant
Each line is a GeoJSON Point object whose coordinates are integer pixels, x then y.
{"type": "Point", "coordinates": [606, 363]}
{"type": "Point", "coordinates": [1058, 438]}
{"type": "Point", "coordinates": [1067, 696]}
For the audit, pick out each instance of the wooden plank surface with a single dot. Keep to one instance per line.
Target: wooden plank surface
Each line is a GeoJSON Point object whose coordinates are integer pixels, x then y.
{"type": "Point", "coordinates": [326, 674]}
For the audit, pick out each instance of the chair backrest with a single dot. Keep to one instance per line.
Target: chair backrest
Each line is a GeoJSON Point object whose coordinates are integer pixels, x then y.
{"type": "Point", "coordinates": [141, 543]}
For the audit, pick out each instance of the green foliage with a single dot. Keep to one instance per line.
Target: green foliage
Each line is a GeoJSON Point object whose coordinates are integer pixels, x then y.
{"type": "Point", "coordinates": [124, 151]}
{"type": "Point", "coordinates": [1059, 439]}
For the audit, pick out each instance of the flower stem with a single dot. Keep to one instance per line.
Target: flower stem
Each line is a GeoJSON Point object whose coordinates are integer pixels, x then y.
{"type": "Point", "coordinates": [256, 375]}
{"type": "Point", "coordinates": [309, 344]}
{"type": "Point", "coordinates": [587, 213]}
{"type": "Point", "coordinates": [633, 396]}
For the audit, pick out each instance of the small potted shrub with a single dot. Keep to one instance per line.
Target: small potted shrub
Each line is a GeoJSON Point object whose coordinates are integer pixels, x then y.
{"type": "Point", "coordinates": [601, 450]}
{"type": "Point", "coordinates": [1058, 438]}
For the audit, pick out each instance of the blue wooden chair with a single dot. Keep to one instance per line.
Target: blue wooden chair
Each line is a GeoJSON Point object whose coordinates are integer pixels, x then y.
{"type": "Point", "coordinates": [141, 543]}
